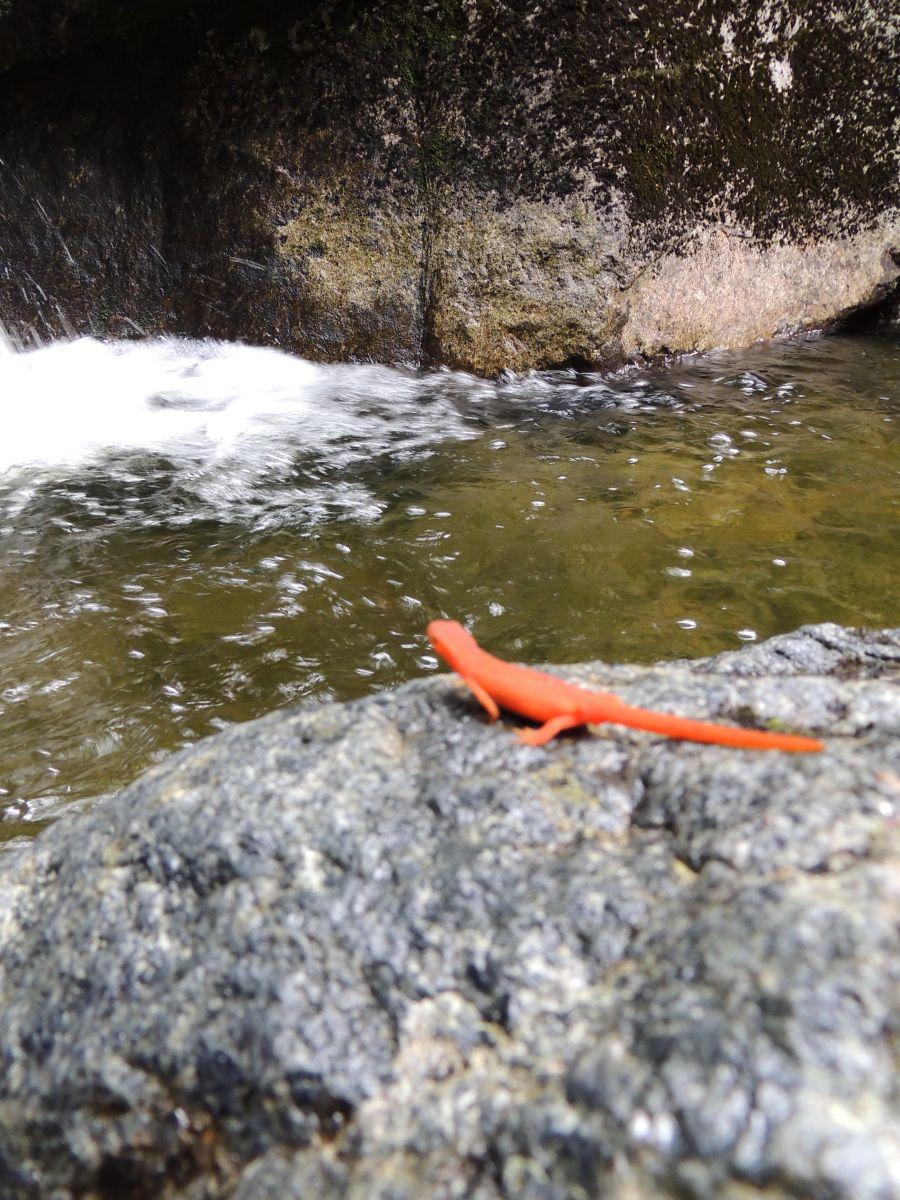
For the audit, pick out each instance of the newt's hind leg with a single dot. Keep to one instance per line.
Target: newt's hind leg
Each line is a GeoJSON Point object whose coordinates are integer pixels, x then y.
{"type": "Point", "coordinates": [485, 700]}
{"type": "Point", "coordinates": [548, 731]}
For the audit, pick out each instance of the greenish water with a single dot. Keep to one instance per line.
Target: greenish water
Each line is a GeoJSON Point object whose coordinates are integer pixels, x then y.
{"type": "Point", "coordinates": [193, 536]}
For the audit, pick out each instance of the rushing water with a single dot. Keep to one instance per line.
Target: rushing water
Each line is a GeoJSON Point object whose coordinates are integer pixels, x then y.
{"type": "Point", "coordinates": [193, 534]}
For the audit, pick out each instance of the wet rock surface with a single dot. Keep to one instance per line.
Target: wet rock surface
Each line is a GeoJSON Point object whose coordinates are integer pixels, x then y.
{"type": "Point", "coordinates": [507, 184]}
{"type": "Point", "coordinates": [383, 950]}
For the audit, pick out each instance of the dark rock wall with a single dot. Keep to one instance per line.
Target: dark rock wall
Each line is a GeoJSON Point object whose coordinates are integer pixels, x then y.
{"type": "Point", "coordinates": [31, 31]}
{"type": "Point", "coordinates": [487, 184]}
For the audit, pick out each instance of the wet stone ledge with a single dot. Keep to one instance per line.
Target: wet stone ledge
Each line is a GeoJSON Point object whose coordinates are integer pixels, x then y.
{"type": "Point", "coordinates": [382, 950]}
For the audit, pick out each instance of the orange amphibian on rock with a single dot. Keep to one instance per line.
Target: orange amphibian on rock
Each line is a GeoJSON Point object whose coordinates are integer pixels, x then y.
{"type": "Point", "coordinates": [558, 705]}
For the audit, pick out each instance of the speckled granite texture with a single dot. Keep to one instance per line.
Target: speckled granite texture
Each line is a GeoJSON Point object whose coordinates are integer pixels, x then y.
{"type": "Point", "coordinates": [382, 950]}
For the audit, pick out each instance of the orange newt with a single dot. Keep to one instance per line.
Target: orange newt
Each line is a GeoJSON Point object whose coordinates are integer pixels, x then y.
{"type": "Point", "coordinates": [558, 705]}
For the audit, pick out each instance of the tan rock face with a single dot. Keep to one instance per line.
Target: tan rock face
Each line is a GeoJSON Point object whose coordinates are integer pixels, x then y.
{"type": "Point", "coordinates": [527, 284]}
{"type": "Point", "coordinates": [727, 290]}
{"type": "Point", "coordinates": [504, 184]}
{"type": "Point", "coordinates": [361, 272]}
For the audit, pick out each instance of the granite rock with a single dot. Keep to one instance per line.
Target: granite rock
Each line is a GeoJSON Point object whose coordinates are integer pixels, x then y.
{"type": "Point", "coordinates": [384, 950]}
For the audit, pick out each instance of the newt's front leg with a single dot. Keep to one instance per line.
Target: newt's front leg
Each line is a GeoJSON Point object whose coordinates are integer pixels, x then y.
{"type": "Point", "coordinates": [484, 698]}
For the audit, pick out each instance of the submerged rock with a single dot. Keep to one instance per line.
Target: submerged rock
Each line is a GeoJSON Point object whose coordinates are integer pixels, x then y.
{"type": "Point", "coordinates": [383, 950]}
{"type": "Point", "coordinates": [502, 184]}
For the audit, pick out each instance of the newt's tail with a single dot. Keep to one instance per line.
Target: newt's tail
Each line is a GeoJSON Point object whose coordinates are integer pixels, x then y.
{"type": "Point", "coordinates": [704, 731]}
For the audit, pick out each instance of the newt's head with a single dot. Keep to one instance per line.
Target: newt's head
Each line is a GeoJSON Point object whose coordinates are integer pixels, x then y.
{"type": "Point", "coordinates": [453, 643]}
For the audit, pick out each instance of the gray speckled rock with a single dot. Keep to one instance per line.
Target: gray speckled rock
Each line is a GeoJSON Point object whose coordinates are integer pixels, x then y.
{"type": "Point", "coordinates": [383, 950]}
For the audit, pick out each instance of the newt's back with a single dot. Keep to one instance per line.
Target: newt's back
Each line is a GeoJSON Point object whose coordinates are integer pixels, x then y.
{"type": "Point", "coordinates": [523, 690]}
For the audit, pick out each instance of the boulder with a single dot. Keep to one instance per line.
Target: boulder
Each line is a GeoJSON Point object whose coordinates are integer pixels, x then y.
{"type": "Point", "coordinates": [383, 950]}
{"type": "Point", "coordinates": [507, 184]}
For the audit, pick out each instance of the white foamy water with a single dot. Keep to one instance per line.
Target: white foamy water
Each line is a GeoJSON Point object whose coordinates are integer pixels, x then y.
{"type": "Point", "coordinates": [74, 403]}
{"type": "Point", "coordinates": [238, 432]}
{"type": "Point", "coordinates": [234, 432]}
{"type": "Point", "coordinates": [77, 403]}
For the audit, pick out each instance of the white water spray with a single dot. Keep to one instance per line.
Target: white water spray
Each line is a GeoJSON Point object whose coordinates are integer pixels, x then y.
{"type": "Point", "coordinates": [223, 416]}
{"type": "Point", "coordinates": [75, 403]}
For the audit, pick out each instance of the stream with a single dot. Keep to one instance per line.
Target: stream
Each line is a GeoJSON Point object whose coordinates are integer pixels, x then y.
{"type": "Point", "coordinates": [193, 534]}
